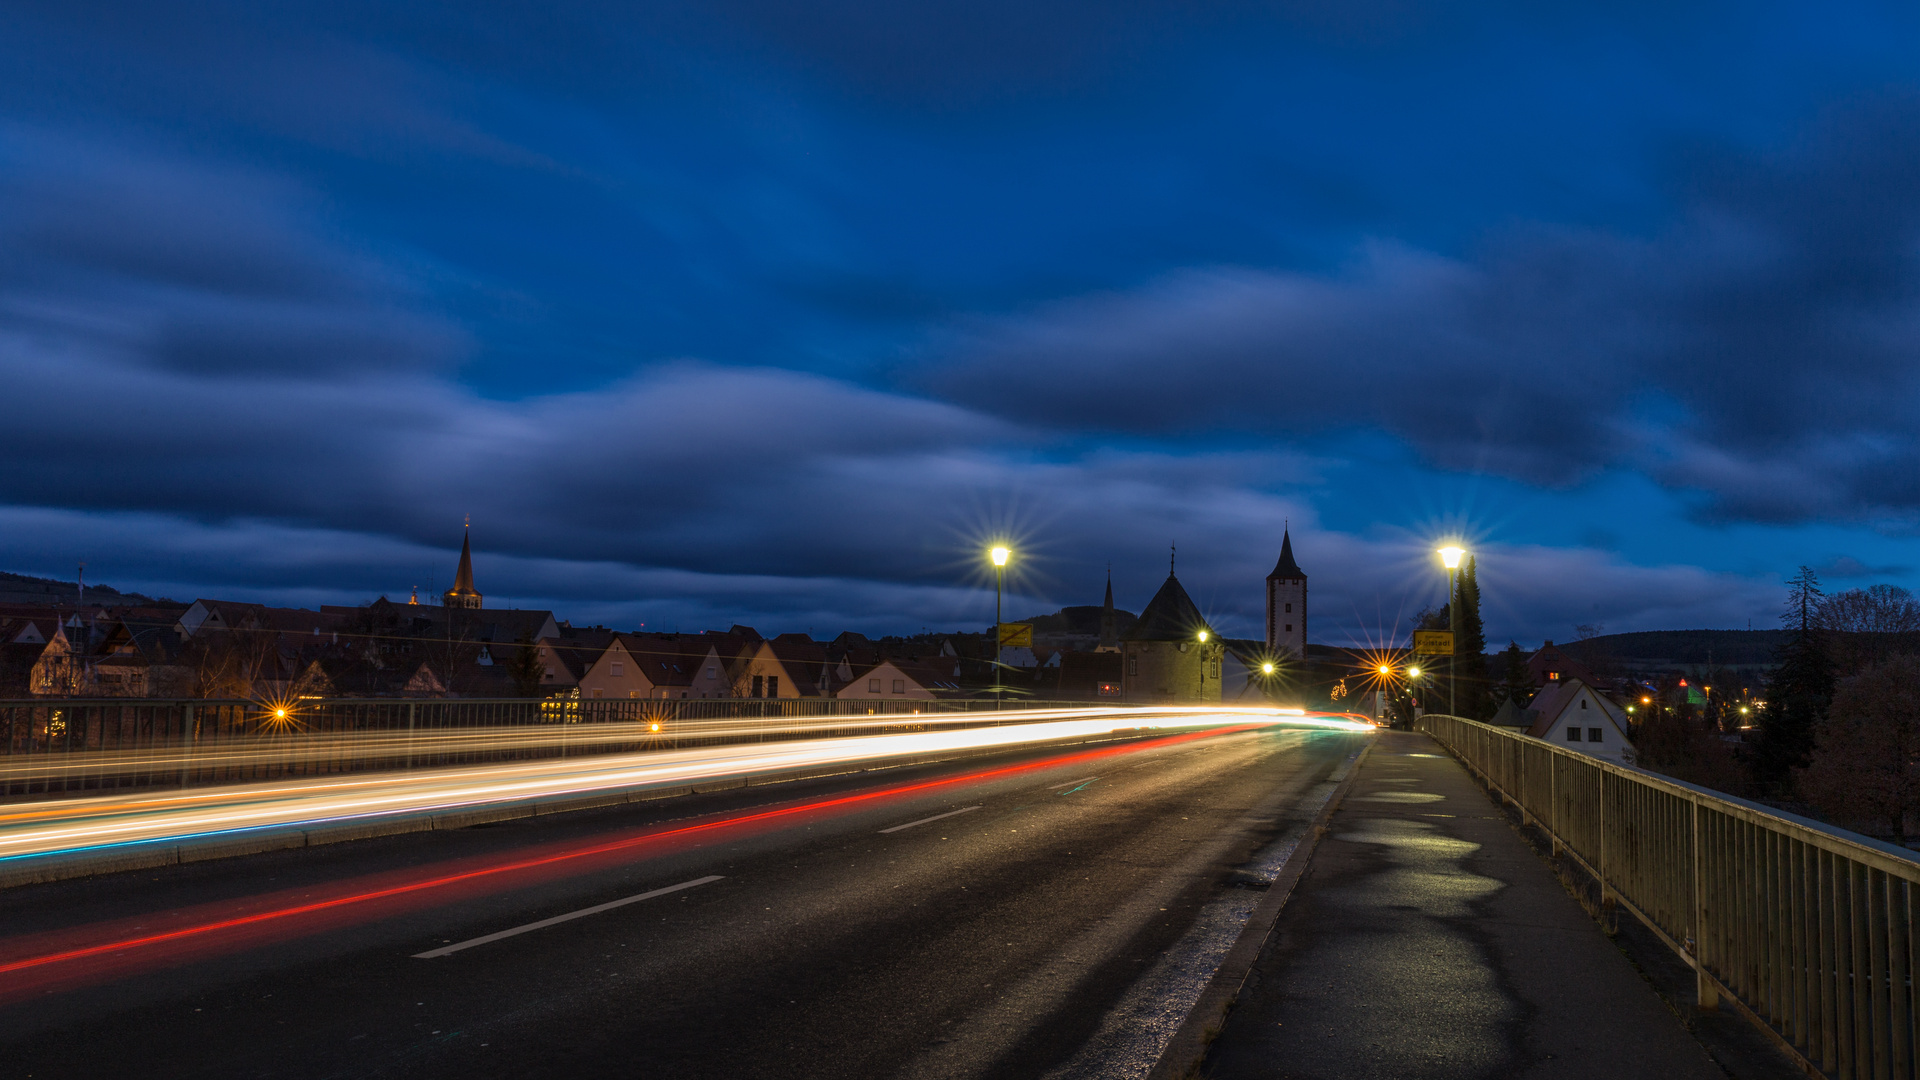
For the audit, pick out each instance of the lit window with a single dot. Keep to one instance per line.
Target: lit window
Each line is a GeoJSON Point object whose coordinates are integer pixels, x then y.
{"type": "Point", "coordinates": [633, 693]}
{"type": "Point", "coordinates": [1593, 734]}
{"type": "Point", "coordinates": [1573, 734]}
{"type": "Point", "coordinates": [899, 686]}
{"type": "Point", "coordinates": [1553, 675]}
{"type": "Point", "coordinates": [873, 686]}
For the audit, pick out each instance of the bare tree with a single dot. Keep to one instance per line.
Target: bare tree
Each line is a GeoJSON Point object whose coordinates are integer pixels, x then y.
{"type": "Point", "coordinates": [1867, 626]}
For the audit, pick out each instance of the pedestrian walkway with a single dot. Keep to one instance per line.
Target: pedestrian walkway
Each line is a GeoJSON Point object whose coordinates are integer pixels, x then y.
{"type": "Point", "coordinates": [1427, 939]}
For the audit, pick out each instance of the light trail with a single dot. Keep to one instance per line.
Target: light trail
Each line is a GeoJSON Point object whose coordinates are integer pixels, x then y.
{"type": "Point", "coordinates": [361, 900]}
{"type": "Point", "coordinates": [72, 827]}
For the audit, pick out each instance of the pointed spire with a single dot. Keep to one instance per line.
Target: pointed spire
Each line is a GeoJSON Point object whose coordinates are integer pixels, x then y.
{"type": "Point", "coordinates": [1173, 552]}
{"type": "Point", "coordinates": [1109, 628]}
{"type": "Point", "coordinates": [1286, 568]}
{"type": "Point", "coordinates": [463, 594]}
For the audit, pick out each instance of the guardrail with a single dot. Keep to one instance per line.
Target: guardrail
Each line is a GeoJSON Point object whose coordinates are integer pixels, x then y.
{"type": "Point", "coordinates": [1806, 929]}
{"type": "Point", "coordinates": [54, 747]}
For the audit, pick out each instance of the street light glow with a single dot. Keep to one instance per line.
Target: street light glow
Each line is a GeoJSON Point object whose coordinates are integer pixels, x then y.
{"type": "Point", "coordinates": [1414, 672]}
{"type": "Point", "coordinates": [1267, 669]}
{"type": "Point", "coordinates": [1451, 556]}
{"type": "Point", "coordinates": [1000, 556]}
{"type": "Point", "coordinates": [1385, 670]}
{"type": "Point", "coordinates": [1203, 635]}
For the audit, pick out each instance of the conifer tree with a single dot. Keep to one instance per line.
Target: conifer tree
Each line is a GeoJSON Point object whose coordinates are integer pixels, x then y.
{"type": "Point", "coordinates": [1516, 683]}
{"type": "Point", "coordinates": [1799, 690]}
{"type": "Point", "coordinates": [1470, 647]}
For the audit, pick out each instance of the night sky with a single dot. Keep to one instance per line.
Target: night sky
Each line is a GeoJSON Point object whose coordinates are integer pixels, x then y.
{"type": "Point", "coordinates": [776, 313]}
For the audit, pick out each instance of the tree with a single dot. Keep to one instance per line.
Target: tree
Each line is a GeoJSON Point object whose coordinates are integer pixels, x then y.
{"type": "Point", "coordinates": [1867, 626]}
{"type": "Point", "coordinates": [1516, 682]}
{"type": "Point", "coordinates": [1865, 768]}
{"type": "Point", "coordinates": [1672, 742]}
{"type": "Point", "coordinates": [1798, 691]}
{"type": "Point", "coordinates": [526, 668]}
{"type": "Point", "coordinates": [1475, 690]}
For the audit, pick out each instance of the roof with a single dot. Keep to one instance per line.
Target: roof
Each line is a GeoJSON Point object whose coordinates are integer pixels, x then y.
{"type": "Point", "coordinates": [1549, 704]}
{"type": "Point", "coordinates": [1169, 616]}
{"type": "Point", "coordinates": [1286, 568]}
{"type": "Point", "coordinates": [463, 577]}
{"type": "Point", "coordinates": [1551, 658]}
{"type": "Point", "coordinates": [1512, 714]}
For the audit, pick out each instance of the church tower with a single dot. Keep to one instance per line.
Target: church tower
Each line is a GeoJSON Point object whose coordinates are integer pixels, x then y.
{"type": "Point", "coordinates": [1287, 604]}
{"type": "Point", "coordinates": [463, 594]}
{"type": "Point", "coordinates": [1109, 625]}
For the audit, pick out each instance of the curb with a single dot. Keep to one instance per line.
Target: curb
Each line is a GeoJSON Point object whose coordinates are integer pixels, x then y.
{"type": "Point", "coordinates": [40, 870]}
{"type": "Point", "coordinates": [1188, 1048]}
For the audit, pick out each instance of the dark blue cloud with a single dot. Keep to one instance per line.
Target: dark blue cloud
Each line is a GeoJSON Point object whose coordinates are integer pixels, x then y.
{"type": "Point", "coordinates": [749, 307]}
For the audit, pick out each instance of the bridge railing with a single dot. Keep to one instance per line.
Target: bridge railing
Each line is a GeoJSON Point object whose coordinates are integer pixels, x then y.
{"type": "Point", "coordinates": [53, 747]}
{"type": "Point", "coordinates": [1806, 929]}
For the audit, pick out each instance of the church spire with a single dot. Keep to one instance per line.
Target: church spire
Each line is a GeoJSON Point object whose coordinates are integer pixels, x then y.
{"type": "Point", "coordinates": [1109, 626]}
{"type": "Point", "coordinates": [463, 594]}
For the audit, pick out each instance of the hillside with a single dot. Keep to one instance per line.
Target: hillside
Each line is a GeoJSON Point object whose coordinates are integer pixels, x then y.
{"type": "Point", "coordinates": [21, 589]}
{"type": "Point", "coordinates": [1659, 649]}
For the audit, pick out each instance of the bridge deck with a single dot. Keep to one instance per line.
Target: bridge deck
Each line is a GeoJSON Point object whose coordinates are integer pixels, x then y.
{"type": "Point", "coordinates": [1428, 939]}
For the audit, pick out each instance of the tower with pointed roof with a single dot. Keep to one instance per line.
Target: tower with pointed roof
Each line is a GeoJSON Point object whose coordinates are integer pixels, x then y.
{"type": "Point", "coordinates": [1109, 624]}
{"type": "Point", "coordinates": [1172, 655]}
{"type": "Point", "coordinates": [1287, 603]}
{"type": "Point", "coordinates": [463, 594]}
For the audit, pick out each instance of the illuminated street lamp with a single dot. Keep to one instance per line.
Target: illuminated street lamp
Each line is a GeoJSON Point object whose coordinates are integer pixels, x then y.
{"type": "Point", "coordinates": [1450, 555]}
{"type": "Point", "coordinates": [1267, 669]}
{"type": "Point", "coordinates": [999, 556]}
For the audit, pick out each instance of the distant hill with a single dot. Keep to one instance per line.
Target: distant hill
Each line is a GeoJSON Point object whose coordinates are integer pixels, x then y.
{"type": "Point", "coordinates": [1657, 649]}
{"type": "Point", "coordinates": [1084, 619]}
{"type": "Point", "coordinates": [21, 589]}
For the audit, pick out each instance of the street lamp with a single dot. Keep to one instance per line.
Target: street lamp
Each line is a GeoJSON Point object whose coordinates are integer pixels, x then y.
{"type": "Point", "coordinates": [1450, 555]}
{"type": "Point", "coordinates": [999, 556]}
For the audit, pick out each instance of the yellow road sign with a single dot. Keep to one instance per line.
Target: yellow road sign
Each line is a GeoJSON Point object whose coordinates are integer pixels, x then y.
{"type": "Point", "coordinates": [1016, 635]}
{"type": "Point", "coordinates": [1433, 643]}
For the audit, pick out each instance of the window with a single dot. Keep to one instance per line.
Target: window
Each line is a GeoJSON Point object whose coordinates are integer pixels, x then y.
{"type": "Point", "coordinates": [709, 671]}
{"type": "Point", "coordinates": [549, 671]}
{"type": "Point", "coordinates": [1593, 734]}
{"type": "Point", "coordinates": [873, 686]}
{"type": "Point", "coordinates": [1133, 665]}
{"type": "Point", "coordinates": [1289, 609]}
{"type": "Point", "coordinates": [1552, 675]}
{"type": "Point", "coordinates": [596, 691]}
{"type": "Point", "coordinates": [1289, 628]}
{"type": "Point", "coordinates": [773, 686]}
{"type": "Point", "coordinates": [633, 693]}
{"type": "Point", "coordinates": [756, 687]}
{"type": "Point", "coordinates": [619, 670]}
{"type": "Point", "coordinates": [1573, 734]}
{"type": "Point", "coordinates": [1583, 703]}
{"type": "Point", "coordinates": [899, 686]}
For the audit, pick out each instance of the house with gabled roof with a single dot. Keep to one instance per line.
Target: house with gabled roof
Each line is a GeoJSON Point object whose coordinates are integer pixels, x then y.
{"type": "Point", "coordinates": [1574, 716]}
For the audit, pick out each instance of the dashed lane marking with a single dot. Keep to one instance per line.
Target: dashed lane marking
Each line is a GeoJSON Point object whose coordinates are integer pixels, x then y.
{"type": "Point", "coordinates": [924, 820]}
{"type": "Point", "coordinates": [447, 950]}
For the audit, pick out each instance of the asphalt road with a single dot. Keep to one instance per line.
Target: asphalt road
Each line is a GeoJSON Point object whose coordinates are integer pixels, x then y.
{"type": "Point", "coordinates": [819, 929]}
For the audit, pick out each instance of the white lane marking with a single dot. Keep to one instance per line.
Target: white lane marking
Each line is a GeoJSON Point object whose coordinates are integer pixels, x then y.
{"type": "Point", "coordinates": [924, 820]}
{"type": "Point", "coordinates": [569, 916]}
{"type": "Point", "coordinates": [1070, 783]}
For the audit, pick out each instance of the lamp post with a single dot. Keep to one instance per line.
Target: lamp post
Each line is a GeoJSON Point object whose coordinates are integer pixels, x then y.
{"type": "Point", "coordinates": [999, 556]}
{"type": "Point", "coordinates": [1451, 556]}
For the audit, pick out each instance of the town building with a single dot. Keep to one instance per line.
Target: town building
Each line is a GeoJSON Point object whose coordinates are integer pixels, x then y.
{"type": "Point", "coordinates": [1171, 655]}
{"type": "Point", "coordinates": [1573, 715]}
{"type": "Point", "coordinates": [1287, 604]}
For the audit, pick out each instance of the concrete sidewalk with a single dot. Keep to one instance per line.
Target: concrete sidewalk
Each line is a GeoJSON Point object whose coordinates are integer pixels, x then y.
{"type": "Point", "coordinates": [1427, 939]}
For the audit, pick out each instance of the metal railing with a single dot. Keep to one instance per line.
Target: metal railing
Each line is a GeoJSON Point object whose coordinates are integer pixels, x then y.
{"type": "Point", "coordinates": [54, 747]}
{"type": "Point", "coordinates": [1806, 929]}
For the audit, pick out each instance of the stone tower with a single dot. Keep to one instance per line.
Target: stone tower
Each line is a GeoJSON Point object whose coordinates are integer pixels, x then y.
{"type": "Point", "coordinates": [1287, 604]}
{"type": "Point", "coordinates": [463, 594]}
{"type": "Point", "coordinates": [1171, 655]}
